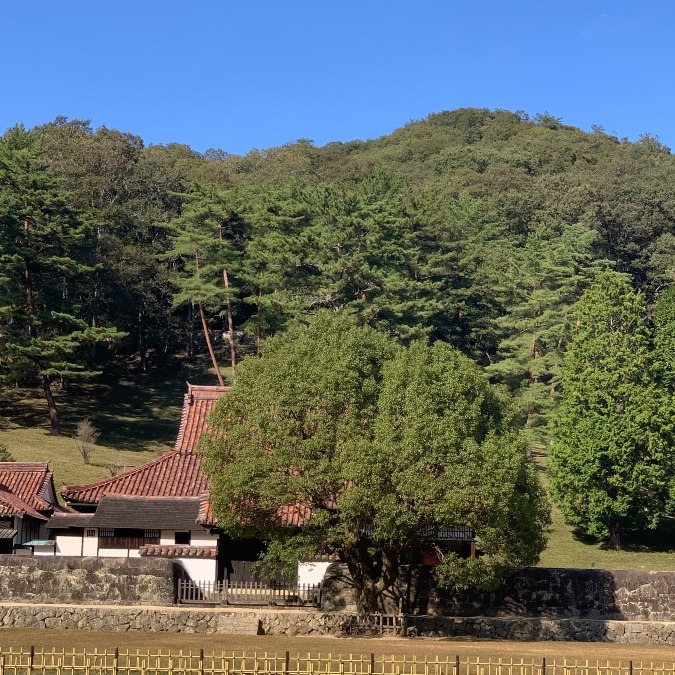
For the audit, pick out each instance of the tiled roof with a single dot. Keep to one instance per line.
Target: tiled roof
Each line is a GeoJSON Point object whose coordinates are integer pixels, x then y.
{"type": "Point", "coordinates": [197, 406]}
{"type": "Point", "coordinates": [173, 551]}
{"type": "Point", "coordinates": [63, 521]}
{"type": "Point", "coordinates": [174, 474]}
{"type": "Point", "coordinates": [11, 505]}
{"type": "Point", "coordinates": [206, 516]}
{"type": "Point", "coordinates": [156, 513]}
{"type": "Point", "coordinates": [294, 515]}
{"type": "Point", "coordinates": [24, 487]}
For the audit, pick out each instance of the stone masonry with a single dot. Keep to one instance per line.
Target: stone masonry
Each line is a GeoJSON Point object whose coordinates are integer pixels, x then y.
{"type": "Point", "coordinates": [92, 581]}
{"type": "Point", "coordinates": [300, 622]}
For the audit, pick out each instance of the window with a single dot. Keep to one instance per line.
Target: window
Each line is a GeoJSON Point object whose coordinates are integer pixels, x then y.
{"type": "Point", "coordinates": [90, 533]}
{"type": "Point", "coordinates": [124, 537]}
{"type": "Point", "coordinates": [182, 538]}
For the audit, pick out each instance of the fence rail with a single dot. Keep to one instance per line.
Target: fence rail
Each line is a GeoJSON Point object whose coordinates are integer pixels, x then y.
{"type": "Point", "coordinates": [34, 661]}
{"type": "Point", "coordinates": [247, 593]}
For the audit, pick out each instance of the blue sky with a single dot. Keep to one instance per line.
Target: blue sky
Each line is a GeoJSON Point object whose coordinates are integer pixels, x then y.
{"type": "Point", "coordinates": [243, 74]}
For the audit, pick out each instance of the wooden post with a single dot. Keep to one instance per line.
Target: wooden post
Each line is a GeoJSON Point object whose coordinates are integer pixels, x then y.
{"type": "Point", "coordinates": [372, 663]}
{"type": "Point", "coordinates": [201, 662]}
{"type": "Point", "coordinates": [116, 660]}
{"type": "Point", "coordinates": [287, 663]}
{"type": "Point", "coordinates": [543, 666]}
{"type": "Point", "coordinates": [457, 664]}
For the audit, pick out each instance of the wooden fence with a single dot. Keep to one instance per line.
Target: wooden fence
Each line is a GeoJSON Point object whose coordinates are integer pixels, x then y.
{"type": "Point", "coordinates": [32, 661]}
{"type": "Point", "coordinates": [247, 593]}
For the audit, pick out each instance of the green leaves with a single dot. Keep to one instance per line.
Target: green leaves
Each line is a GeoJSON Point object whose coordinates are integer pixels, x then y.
{"type": "Point", "coordinates": [611, 462]}
{"type": "Point", "coordinates": [383, 445]}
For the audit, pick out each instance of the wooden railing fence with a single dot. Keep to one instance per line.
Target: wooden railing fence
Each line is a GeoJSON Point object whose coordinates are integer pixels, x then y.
{"type": "Point", "coordinates": [37, 661]}
{"type": "Point", "coordinates": [247, 593]}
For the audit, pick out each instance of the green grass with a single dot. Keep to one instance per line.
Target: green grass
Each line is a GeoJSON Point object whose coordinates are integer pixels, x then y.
{"type": "Point", "coordinates": [651, 551]}
{"type": "Point", "coordinates": [138, 416]}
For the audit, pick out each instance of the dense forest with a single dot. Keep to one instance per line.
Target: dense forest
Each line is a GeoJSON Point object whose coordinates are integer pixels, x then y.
{"type": "Point", "coordinates": [477, 228]}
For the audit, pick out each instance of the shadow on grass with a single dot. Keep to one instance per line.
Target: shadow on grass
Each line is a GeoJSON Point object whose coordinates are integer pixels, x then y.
{"type": "Point", "coordinates": [659, 540]}
{"type": "Point", "coordinates": [132, 410]}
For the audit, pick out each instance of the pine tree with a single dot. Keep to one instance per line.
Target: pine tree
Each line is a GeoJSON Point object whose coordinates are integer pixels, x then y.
{"type": "Point", "coordinates": [547, 275]}
{"type": "Point", "coordinates": [44, 280]}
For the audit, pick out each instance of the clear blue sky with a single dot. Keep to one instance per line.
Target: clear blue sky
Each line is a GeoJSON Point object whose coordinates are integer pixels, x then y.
{"type": "Point", "coordinates": [242, 74]}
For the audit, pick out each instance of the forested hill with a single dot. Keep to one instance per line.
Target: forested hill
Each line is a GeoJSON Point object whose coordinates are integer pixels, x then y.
{"type": "Point", "coordinates": [473, 227]}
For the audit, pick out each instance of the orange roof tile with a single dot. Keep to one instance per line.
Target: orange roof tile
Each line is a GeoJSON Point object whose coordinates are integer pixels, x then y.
{"type": "Point", "coordinates": [175, 474]}
{"type": "Point", "coordinates": [29, 482]}
{"type": "Point", "coordinates": [177, 551]}
{"type": "Point", "coordinates": [11, 505]}
{"type": "Point", "coordinates": [197, 406]}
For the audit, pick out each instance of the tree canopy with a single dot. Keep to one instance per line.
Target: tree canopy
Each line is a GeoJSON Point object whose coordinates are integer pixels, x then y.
{"type": "Point", "coordinates": [611, 462]}
{"type": "Point", "coordinates": [371, 448]}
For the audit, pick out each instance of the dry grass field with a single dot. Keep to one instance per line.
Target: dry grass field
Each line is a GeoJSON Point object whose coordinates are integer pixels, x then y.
{"type": "Point", "coordinates": [593, 651]}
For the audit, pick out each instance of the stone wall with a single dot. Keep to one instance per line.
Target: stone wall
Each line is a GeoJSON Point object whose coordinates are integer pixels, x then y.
{"type": "Point", "coordinates": [299, 622]}
{"type": "Point", "coordinates": [109, 581]}
{"type": "Point", "coordinates": [531, 592]}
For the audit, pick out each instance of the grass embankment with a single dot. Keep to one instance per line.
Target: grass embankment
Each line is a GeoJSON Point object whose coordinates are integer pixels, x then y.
{"type": "Point", "coordinates": [137, 415]}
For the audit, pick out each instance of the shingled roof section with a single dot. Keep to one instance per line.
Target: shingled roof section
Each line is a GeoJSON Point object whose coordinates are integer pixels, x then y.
{"type": "Point", "coordinates": [175, 474]}
{"type": "Point", "coordinates": [24, 489]}
{"type": "Point", "coordinates": [159, 513]}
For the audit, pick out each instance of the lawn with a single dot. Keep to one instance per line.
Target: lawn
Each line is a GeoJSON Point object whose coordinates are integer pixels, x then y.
{"type": "Point", "coordinates": [137, 415]}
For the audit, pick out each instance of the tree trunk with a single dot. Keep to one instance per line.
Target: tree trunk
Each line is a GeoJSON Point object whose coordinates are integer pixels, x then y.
{"type": "Point", "coordinates": [258, 324]}
{"type": "Point", "coordinates": [51, 403]}
{"type": "Point", "coordinates": [373, 574]}
{"type": "Point", "coordinates": [230, 322]}
{"type": "Point", "coordinates": [615, 534]}
{"type": "Point", "coordinates": [207, 337]}
{"type": "Point", "coordinates": [142, 355]}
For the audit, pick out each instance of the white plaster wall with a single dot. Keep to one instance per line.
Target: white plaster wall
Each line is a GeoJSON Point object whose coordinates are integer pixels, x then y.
{"type": "Point", "coordinates": [203, 538]}
{"type": "Point", "coordinates": [311, 572]}
{"type": "Point", "coordinates": [199, 569]}
{"type": "Point", "coordinates": [68, 545]}
{"type": "Point", "coordinates": [167, 537]}
{"type": "Point", "coordinates": [43, 550]}
{"type": "Point", "coordinates": [90, 546]}
{"type": "Point", "coordinates": [197, 538]}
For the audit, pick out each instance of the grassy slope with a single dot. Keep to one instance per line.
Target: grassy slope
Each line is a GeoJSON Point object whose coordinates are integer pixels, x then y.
{"type": "Point", "coordinates": [565, 549]}
{"type": "Point", "coordinates": [137, 415]}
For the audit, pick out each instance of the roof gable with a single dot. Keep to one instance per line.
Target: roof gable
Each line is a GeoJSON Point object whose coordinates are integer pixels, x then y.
{"type": "Point", "coordinates": [26, 488]}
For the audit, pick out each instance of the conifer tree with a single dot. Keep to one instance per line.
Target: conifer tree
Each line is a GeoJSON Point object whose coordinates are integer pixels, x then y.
{"type": "Point", "coordinates": [611, 460]}
{"type": "Point", "coordinates": [42, 331]}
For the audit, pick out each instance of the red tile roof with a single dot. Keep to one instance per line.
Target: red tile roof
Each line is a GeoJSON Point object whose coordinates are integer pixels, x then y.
{"type": "Point", "coordinates": [197, 406]}
{"type": "Point", "coordinates": [206, 516]}
{"type": "Point", "coordinates": [177, 551]}
{"type": "Point", "coordinates": [11, 505]}
{"type": "Point", "coordinates": [175, 474]}
{"type": "Point", "coordinates": [25, 489]}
